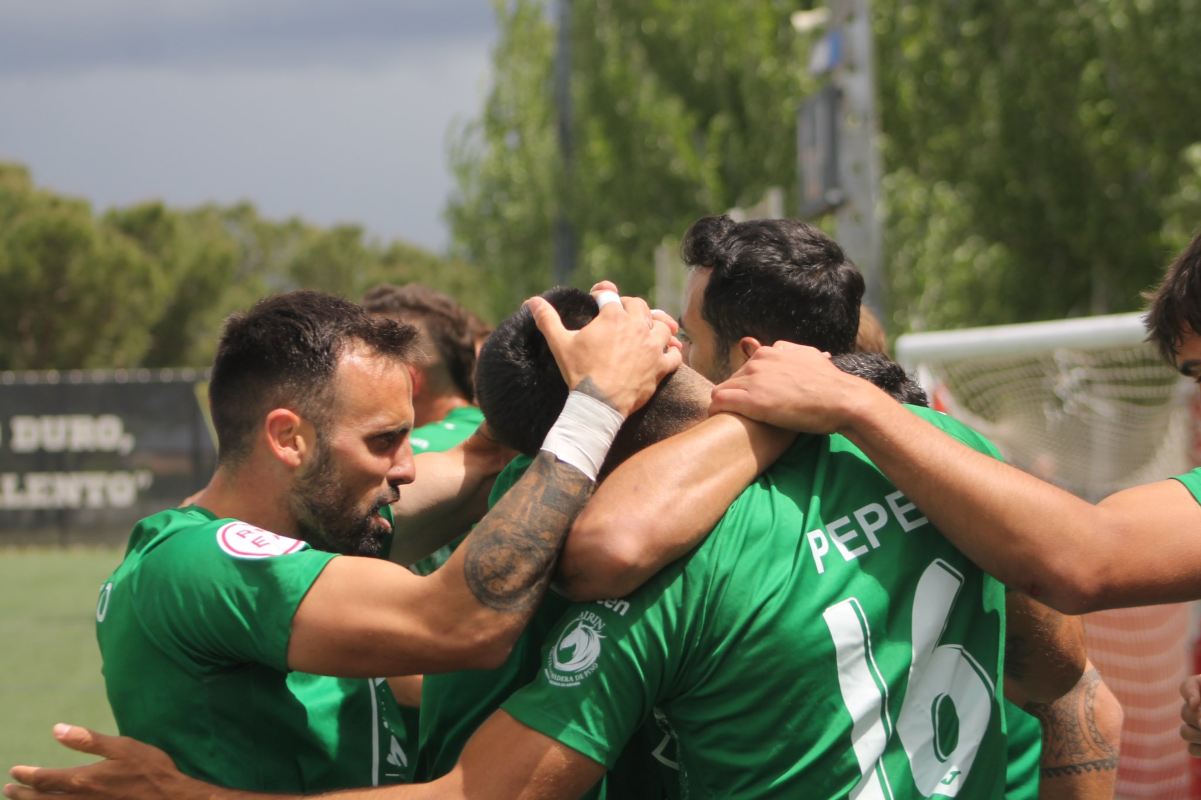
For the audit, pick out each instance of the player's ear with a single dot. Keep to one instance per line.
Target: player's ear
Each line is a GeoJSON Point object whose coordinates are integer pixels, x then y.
{"type": "Point", "coordinates": [747, 346]}
{"type": "Point", "coordinates": [416, 380]}
{"type": "Point", "coordinates": [289, 437]}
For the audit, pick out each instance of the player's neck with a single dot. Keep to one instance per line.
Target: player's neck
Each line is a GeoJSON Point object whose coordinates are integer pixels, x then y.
{"type": "Point", "coordinates": [433, 409]}
{"type": "Point", "coordinates": [236, 494]}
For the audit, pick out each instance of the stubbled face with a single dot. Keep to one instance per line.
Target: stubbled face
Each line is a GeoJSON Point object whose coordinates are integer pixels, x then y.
{"type": "Point", "coordinates": [361, 458]}
{"type": "Point", "coordinates": [701, 350]}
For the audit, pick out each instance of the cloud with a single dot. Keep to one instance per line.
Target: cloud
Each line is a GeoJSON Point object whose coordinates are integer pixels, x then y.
{"type": "Point", "coordinates": [82, 35]}
{"type": "Point", "coordinates": [336, 112]}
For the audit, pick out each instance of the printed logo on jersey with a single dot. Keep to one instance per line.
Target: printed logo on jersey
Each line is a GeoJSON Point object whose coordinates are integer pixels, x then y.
{"type": "Point", "coordinates": [396, 755]}
{"type": "Point", "coordinates": [241, 540]}
{"type": "Point", "coordinates": [573, 658]}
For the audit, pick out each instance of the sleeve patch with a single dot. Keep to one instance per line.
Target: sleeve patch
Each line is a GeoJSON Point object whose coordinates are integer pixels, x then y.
{"type": "Point", "coordinates": [242, 540]}
{"type": "Point", "coordinates": [574, 654]}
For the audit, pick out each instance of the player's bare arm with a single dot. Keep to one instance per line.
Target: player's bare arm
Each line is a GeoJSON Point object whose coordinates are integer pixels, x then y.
{"type": "Point", "coordinates": [504, 760]}
{"type": "Point", "coordinates": [659, 504]}
{"type": "Point", "coordinates": [1047, 672]}
{"type": "Point", "coordinates": [662, 501]}
{"type": "Point", "coordinates": [1045, 655]}
{"type": "Point", "coordinates": [406, 689]}
{"type": "Point", "coordinates": [1081, 733]}
{"type": "Point", "coordinates": [364, 617]}
{"type": "Point", "coordinates": [449, 495]}
{"type": "Point", "coordinates": [1135, 547]}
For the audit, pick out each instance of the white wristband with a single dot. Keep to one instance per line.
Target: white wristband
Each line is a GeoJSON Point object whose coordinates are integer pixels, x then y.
{"type": "Point", "coordinates": [582, 434]}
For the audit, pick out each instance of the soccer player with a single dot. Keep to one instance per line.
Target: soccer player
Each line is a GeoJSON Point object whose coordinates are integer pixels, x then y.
{"type": "Point", "coordinates": [1135, 547]}
{"type": "Point", "coordinates": [216, 602]}
{"type": "Point", "coordinates": [764, 650]}
{"type": "Point", "coordinates": [771, 280]}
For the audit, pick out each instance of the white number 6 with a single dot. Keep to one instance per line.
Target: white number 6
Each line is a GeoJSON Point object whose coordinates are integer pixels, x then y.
{"type": "Point", "coordinates": [946, 686]}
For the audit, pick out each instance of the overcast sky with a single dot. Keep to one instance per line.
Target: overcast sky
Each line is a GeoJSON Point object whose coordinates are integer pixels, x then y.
{"type": "Point", "coordinates": [336, 110]}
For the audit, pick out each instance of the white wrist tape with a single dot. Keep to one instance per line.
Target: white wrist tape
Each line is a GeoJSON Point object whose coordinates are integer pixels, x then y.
{"type": "Point", "coordinates": [582, 434]}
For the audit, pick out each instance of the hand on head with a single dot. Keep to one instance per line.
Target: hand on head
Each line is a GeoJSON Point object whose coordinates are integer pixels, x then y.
{"type": "Point", "coordinates": [130, 770]}
{"type": "Point", "coordinates": [620, 356]}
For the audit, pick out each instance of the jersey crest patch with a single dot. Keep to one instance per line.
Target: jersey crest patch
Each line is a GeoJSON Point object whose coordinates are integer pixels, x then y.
{"type": "Point", "coordinates": [574, 656]}
{"type": "Point", "coordinates": [242, 540]}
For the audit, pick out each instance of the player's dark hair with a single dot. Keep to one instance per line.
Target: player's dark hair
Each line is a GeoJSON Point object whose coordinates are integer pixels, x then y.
{"type": "Point", "coordinates": [1175, 305]}
{"type": "Point", "coordinates": [283, 353]}
{"type": "Point", "coordinates": [775, 279]}
{"type": "Point", "coordinates": [452, 330]}
{"type": "Point", "coordinates": [885, 373]}
{"type": "Point", "coordinates": [521, 390]}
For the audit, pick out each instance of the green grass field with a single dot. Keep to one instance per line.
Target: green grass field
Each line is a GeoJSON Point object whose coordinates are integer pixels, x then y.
{"type": "Point", "coordinates": [49, 663]}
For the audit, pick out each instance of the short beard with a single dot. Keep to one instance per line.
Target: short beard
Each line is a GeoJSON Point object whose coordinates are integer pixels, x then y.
{"type": "Point", "coordinates": [327, 518]}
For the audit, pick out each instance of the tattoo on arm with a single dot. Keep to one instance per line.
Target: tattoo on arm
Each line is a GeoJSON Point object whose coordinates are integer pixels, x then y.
{"type": "Point", "coordinates": [1073, 744]}
{"type": "Point", "coordinates": [586, 386]}
{"type": "Point", "coordinates": [512, 552]}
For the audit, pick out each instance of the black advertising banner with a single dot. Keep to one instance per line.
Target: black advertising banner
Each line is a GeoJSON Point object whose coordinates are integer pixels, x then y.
{"type": "Point", "coordinates": [84, 455]}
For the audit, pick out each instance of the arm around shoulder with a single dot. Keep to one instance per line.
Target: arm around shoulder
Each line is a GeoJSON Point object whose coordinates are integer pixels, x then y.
{"type": "Point", "coordinates": [662, 502]}
{"type": "Point", "coordinates": [1136, 547]}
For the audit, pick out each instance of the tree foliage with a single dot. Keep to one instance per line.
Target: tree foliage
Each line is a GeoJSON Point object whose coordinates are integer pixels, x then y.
{"type": "Point", "coordinates": [1037, 161]}
{"type": "Point", "coordinates": [1042, 144]}
{"type": "Point", "coordinates": [678, 109]}
{"type": "Point", "coordinates": [149, 286]}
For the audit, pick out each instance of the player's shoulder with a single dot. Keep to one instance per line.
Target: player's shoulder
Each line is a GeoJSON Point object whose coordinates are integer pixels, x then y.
{"type": "Point", "coordinates": [189, 539]}
{"type": "Point", "coordinates": [957, 429]}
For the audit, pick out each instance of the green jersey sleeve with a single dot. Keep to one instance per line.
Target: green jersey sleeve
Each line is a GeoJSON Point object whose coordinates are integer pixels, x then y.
{"type": "Point", "coordinates": [1192, 482]}
{"type": "Point", "coordinates": [226, 592]}
{"type": "Point", "coordinates": [448, 432]}
{"type": "Point", "coordinates": [604, 667]}
{"type": "Point", "coordinates": [507, 477]}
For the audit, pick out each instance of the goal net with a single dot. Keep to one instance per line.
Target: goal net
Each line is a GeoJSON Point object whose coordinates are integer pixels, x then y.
{"type": "Point", "coordinates": [1087, 405]}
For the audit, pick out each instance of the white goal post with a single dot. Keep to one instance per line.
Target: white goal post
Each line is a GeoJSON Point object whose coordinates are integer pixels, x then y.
{"type": "Point", "coordinates": [1089, 405]}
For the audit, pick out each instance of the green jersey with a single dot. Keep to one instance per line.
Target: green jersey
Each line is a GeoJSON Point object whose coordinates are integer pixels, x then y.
{"type": "Point", "coordinates": [193, 629]}
{"type": "Point", "coordinates": [1024, 751]}
{"type": "Point", "coordinates": [436, 438]}
{"type": "Point", "coordinates": [824, 641]}
{"type": "Point", "coordinates": [1192, 482]}
{"type": "Point", "coordinates": [454, 704]}
{"type": "Point", "coordinates": [447, 432]}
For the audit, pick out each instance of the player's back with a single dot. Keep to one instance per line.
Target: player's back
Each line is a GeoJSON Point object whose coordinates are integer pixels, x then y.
{"type": "Point", "coordinates": [825, 641]}
{"type": "Point", "coordinates": [850, 639]}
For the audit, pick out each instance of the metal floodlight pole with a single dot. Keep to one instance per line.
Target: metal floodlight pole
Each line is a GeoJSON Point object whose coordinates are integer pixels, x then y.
{"type": "Point", "coordinates": [564, 238]}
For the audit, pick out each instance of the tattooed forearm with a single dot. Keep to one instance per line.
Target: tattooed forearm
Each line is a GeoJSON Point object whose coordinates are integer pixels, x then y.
{"type": "Point", "coordinates": [1101, 765]}
{"type": "Point", "coordinates": [512, 552]}
{"type": "Point", "coordinates": [1080, 731]}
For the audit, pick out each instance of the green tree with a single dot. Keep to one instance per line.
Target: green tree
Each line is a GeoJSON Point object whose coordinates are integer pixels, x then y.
{"type": "Point", "coordinates": [678, 110]}
{"type": "Point", "coordinates": [198, 259]}
{"type": "Point", "coordinates": [1048, 129]}
{"type": "Point", "coordinates": [1036, 160]}
{"type": "Point", "coordinates": [150, 286]}
{"type": "Point", "coordinates": [77, 294]}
